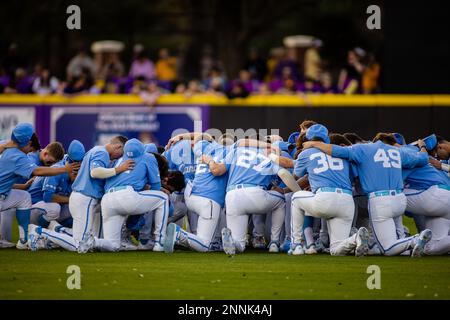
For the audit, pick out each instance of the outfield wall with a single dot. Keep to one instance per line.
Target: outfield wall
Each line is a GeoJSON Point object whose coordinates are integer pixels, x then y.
{"type": "Point", "coordinates": [93, 119]}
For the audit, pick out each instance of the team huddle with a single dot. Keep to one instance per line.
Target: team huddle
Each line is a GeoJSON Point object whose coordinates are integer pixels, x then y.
{"type": "Point", "coordinates": [317, 192]}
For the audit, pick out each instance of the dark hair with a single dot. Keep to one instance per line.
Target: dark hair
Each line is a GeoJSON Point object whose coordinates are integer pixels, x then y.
{"type": "Point", "coordinates": [440, 139]}
{"type": "Point", "coordinates": [175, 179]}
{"type": "Point", "coordinates": [163, 165]}
{"type": "Point", "coordinates": [387, 138]}
{"type": "Point", "coordinates": [119, 139]}
{"type": "Point", "coordinates": [56, 150]}
{"type": "Point", "coordinates": [35, 144]}
{"type": "Point", "coordinates": [301, 138]}
{"type": "Point", "coordinates": [306, 124]}
{"type": "Point", "coordinates": [353, 137]}
{"type": "Point", "coordinates": [339, 139]}
{"type": "Point", "coordinates": [161, 149]}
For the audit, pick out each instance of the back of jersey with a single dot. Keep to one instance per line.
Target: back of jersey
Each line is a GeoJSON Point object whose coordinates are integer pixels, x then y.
{"type": "Point", "coordinates": [379, 166]}
{"type": "Point", "coordinates": [181, 157]}
{"type": "Point", "coordinates": [323, 170]}
{"type": "Point", "coordinates": [249, 165]}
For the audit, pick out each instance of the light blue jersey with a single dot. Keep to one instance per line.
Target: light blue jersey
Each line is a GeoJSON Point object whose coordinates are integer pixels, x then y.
{"type": "Point", "coordinates": [323, 170]}
{"type": "Point", "coordinates": [249, 165]}
{"type": "Point", "coordinates": [15, 165]}
{"type": "Point", "coordinates": [35, 190]}
{"type": "Point", "coordinates": [380, 165]}
{"type": "Point", "coordinates": [35, 157]}
{"type": "Point", "coordinates": [181, 157]}
{"type": "Point", "coordinates": [205, 184]}
{"type": "Point", "coordinates": [145, 172]}
{"type": "Point", "coordinates": [84, 183]}
{"type": "Point", "coordinates": [59, 184]}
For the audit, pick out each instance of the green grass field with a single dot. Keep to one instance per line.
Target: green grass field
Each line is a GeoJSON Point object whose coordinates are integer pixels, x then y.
{"type": "Point", "coordinates": [190, 275]}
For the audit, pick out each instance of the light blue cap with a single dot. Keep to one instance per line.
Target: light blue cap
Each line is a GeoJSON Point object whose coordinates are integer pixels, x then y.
{"type": "Point", "coordinates": [76, 151]}
{"type": "Point", "coordinates": [283, 145]}
{"type": "Point", "coordinates": [133, 149]}
{"type": "Point", "coordinates": [318, 131]}
{"type": "Point", "coordinates": [151, 148]}
{"type": "Point", "coordinates": [22, 134]}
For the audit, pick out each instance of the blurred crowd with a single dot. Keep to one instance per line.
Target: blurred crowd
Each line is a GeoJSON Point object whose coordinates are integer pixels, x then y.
{"type": "Point", "coordinates": [283, 71]}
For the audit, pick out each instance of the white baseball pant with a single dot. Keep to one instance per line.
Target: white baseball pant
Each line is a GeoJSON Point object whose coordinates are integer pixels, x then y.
{"type": "Point", "coordinates": [240, 203]}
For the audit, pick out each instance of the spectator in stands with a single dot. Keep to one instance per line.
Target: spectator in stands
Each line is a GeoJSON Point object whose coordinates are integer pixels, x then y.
{"type": "Point", "coordinates": [12, 61]}
{"type": "Point", "coordinates": [289, 61]}
{"type": "Point", "coordinates": [216, 81]}
{"type": "Point", "coordinates": [20, 83]}
{"type": "Point", "coordinates": [286, 83]}
{"type": "Point", "coordinates": [276, 54]}
{"type": "Point", "coordinates": [166, 66]}
{"type": "Point", "coordinates": [370, 75]}
{"type": "Point", "coordinates": [263, 90]}
{"type": "Point", "coordinates": [310, 86]}
{"type": "Point", "coordinates": [245, 79]}
{"type": "Point", "coordinates": [142, 66]}
{"type": "Point", "coordinates": [113, 67]}
{"type": "Point", "coordinates": [312, 61]}
{"type": "Point", "coordinates": [237, 90]}
{"type": "Point", "coordinates": [255, 65]}
{"type": "Point", "coordinates": [194, 87]}
{"type": "Point", "coordinates": [80, 84]}
{"type": "Point", "coordinates": [81, 61]}
{"type": "Point", "coordinates": [180, 88]}
{"type": "Point", "coordinates": [350, 76]}
{"type": "Point", "coordinates": [45, 83]}
{"type": "Point", "coordinates": [326, 83]}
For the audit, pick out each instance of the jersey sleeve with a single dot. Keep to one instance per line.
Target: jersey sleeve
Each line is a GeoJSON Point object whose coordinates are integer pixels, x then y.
{"type": "Point", "coordinates": [352, 153]}
{"type": "Point", "coordinates": [411, 159]}
{"type": "Point", "coordinates": [228, 160]}
{"type": "Point", "coordinates": [99, 159]}
{"type": "Point", "coordinates": [24, 167]}
{"type": "Point", "coordinates": [300, 165]}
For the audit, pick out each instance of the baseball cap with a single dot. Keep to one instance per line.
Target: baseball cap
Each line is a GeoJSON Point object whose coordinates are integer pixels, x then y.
{"type": "Point", "coordinates": [430, 142]}
{"type": "Point", "coordinates": [399, 138]}
{"type": "Point", "coordinates": [22, 134]}
{"type": "Point", "coordinates": [133, 149]}
{"type": "Point", "coordinates": [318, 131]}
{"type": "Point", "coordinates": [293, 137]}
{"type": "Point", "coordinates": [76, 151]}
{"type": "Point", "coordinates": [283, 145]}
{"type": "Point", "coordinates": [151, 148]}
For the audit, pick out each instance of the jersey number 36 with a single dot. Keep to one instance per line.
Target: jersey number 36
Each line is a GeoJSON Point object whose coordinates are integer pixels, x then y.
{"type": "Point", "coordinates": [326, 162]}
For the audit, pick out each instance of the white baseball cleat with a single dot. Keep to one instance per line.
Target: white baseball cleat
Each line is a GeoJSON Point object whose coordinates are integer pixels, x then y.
{"type": "Point", "coordinates": [127, 245]}
{"type": "Point", "coordinates": [171, 238]}
{"type": "Point", "coordinates": [228, 242]}
{"type": "Point", "coordinates": [421, 241]}
{"type": "Point", "coordinates": [33, 237]}
{"type": "Point", "coordinates": [298, 251]}
{"type": "Point", "coordinates": [362, 242]}
{"type": "Point", "coordinates": [86, 244]}
{"type": "Point", "coordinates": [21, 246]}
{"type": "Point", "coordinates": [6, 244]}
{"type": "Point", "coordinates": [158, 247]}
{"type": "Point", "coordinates": [311, 249]}
{"type": "Point", "coordinates": [273, 247]}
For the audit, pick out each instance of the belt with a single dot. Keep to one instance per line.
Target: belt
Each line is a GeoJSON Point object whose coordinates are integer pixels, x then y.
{"type": "Point", "coordinates": [118, 188]}
{"type": "Point", "coordinates": [384, 193]}
{"type": "Point", "coordinates": [244, 185]}
{"type": "Point", "coordinates": [337, 190]}
{"type": "Point", "coordinates": [443, 186]}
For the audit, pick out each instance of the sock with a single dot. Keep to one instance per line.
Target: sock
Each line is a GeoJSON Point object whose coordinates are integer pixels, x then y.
{"type": "Point", "coordinates": [42, 221]}
{"type": "Point", "coordinates": [23, 219]}
{"type": "Point", "coordinates": [308, 230]}
{"type": "Point", "coordinates": [67, 222]}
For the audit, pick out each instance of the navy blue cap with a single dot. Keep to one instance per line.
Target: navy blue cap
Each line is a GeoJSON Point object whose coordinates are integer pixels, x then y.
{"type": "Point", "coordinates": [399, 138]}
{"type": "Point", "coordinates": [293, 137]}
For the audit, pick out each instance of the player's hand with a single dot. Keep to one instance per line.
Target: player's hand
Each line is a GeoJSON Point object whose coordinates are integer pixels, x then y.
{"type": "Point", "coordinates": [277, 189]}
{"type": "Point", "coordinates": [435, 163]}
{"type": "Point", "coordinates": [72, 167]}
{"type": "Point", "coordinates": [29, 182]}
{"type": "Point", "coordinates": [172, 141]}
{"type": "Point", "coordinates": [125, 166]}
{"type": "Point", "coordinates": [421, 143]}
{"type": "Point", "coordinates": [308, 144]}
{"type": "Point", "coordinates": [206, 159]}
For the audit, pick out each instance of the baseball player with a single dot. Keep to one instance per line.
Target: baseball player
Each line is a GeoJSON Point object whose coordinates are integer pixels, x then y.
{"type": "Point", "coordinates": [87, 190]}
{"type": "Point", "coordinates": [54, 191]}
{"type": "Point", "coordinates": [125, 195]}
{"type": "Point", "coordinates": [206, 199]}
{"type": "Point", "coordinates": [427, 192]}
{"type": "Point", "coordinates": [250, 173]}
{"type": "Point", "coordinates": [331, 198]}
{"type": "Point", "coordinates": [16, 165]}
{"type": "Point", "coordinates": [380, 172]}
